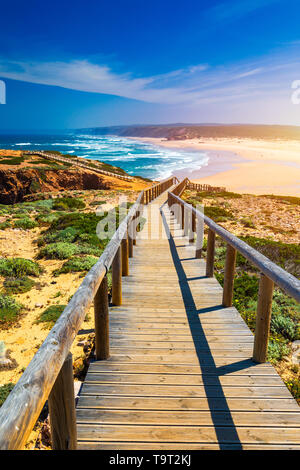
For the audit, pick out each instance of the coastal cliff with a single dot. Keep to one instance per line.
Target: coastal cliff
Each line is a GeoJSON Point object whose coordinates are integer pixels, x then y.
{"type": "Point", "coordinates": [20, 177]}
{"type": "Point", "coordinates": [17, 184]}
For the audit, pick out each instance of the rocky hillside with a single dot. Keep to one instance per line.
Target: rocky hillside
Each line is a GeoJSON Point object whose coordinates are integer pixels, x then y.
{"type": "Point", "coordinates": [22, 175]}
{"type": "Point", "coordinates": [191, 131]}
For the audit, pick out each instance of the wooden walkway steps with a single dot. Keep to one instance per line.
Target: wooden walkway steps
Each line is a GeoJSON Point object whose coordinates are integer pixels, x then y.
{"type": "Point", "coordinates": [179, 374]}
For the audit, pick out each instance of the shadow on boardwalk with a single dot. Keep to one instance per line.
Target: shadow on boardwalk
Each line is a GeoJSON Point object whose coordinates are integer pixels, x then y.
{"type": "Point", "coordinates": [206, 361]}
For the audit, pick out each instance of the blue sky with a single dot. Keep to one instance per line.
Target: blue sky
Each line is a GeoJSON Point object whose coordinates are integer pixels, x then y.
{"type": "Point", "coordinates": [79, 64]}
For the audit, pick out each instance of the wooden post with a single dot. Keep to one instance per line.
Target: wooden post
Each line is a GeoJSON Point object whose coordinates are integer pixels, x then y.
{"type": "Point", "coordinates": [200, 237]}
{"type": "Point", "coordinates": [192, 227]}
{"type": "Point", "coordinates": [263, 319]}
{"type": "Point", "coordinates": [101, 321]}
{"type": "Point", "coordinates": [133, 229]}
{"type": "Point", "coordinates": [61, 403]}
{"type": "Point", "coordinates": [229, 276]}
{"type": "Point", "coordinates": [182, 216]}
{"type": "Point", "coordinates": [130, 246]}
{"type": "Point", "coordinates": [187, 219]}
{"type": "Point", "coordinates": [210, 256]}
{"type": "Point", "coordinates": [125, 253]}
{"type": "Point", "coordinates": [117, 278]}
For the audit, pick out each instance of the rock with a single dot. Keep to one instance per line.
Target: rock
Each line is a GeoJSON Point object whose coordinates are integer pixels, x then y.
{"type": "Point", "coordinates": [296, 352]}
{"type": "Point", "coordinates": [5, 362]}
{"type": "Point", "coordinates": [39, 305]}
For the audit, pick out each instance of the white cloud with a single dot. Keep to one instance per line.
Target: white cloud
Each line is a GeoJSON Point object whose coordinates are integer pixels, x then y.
{"type": "Point", "coordinates": [190, 86]}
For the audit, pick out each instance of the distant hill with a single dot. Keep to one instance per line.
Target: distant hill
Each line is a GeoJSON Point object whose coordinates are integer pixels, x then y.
{"type": "Point", "coordinates": [191, 131]}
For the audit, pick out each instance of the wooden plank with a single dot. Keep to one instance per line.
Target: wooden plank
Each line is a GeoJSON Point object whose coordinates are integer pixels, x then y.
{"type": "Point", "coordinates": [86, 445]}
{"type": "Point", "coordinates": [182, 391]}
{"type": "Point", "coordinates": [198, 345]}
{"type": "Point", "coordinates": [189, 404]}
{"type": "Point", "coordinates": [188, 418]}
{"type": "Point", "coordinates": [245, 368]}
{"type": "Point", "coordinates": [177, 354]}
{"type": "Point", "coordinates": [216, 361]}
{"type": "Point", "coordinates": [229, 435]}
{"type": "Point", "coordinates": [171, 379]}
{"type": "Point", "coordinates": [211, 336]}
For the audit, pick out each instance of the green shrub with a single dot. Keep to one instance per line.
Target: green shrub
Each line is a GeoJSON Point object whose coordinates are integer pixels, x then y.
{"type": "Point", "coordinates": [11, 160]}
{"type": "Point", "coordinates": [91, 239]}
{"type": "Point", "coordinates": [77, 264]}
{"type": "Point", "coordinates": [5, 225]}
{"type": "Point", "coordinates": [245, 288]}
{"type": "Point", "coordinates": [294, 388]}
{"type": "Point", "coordinates": [218, 214]}
{"type": "Point", "coordinates": [14, 285]}
{"type": "Point", "coordinates": [19, 267]}
{"type": "Point", "coordinates": [51, 314]}
{"type": "Point", "coordinates": [9, 310]}
{"type": "Point", "coordinates": [277, 351]}
{"type": "Point", "coordinates": [58, 250]}
{"type": "Point", "coordinates": [5, 391]}
{"type": "Point", "coordinates": [42, 205]}
{"type": "Point", "coordinates": [284, 326]}
{"type": "Point", "coordinates": [68, 203]}
{"type": "Point", "coordinates": [25, 223]}
{"type": "Point", "coordinates": [200, 195]}
{"type": "Point", "coordinates": [86, 249]}
{"type": "Point", "coordinates": [287, 199]}
{"type": "Point", "coordinates": [247, 222]}
{"type": "Point", "coordinates": [278, 252]}
{"type": "Point", "coordinates": [81, 223]}
{"type": "Point", "coordinates": [67, 235]}
{"type": "Point", "coordinates": [46, 219]}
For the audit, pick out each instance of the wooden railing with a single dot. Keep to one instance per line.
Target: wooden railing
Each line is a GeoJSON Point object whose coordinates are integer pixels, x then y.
{"type": "Point", "coordinates": [205, 187]}
{"type": "Point", "coordinates": [193, 220]}
{"type": "Point", "coordinates": [71, 161]}
{"type": "Point", "coordinates": [157, 189]}
{"type": "Point", "coordinates": [50, 373]}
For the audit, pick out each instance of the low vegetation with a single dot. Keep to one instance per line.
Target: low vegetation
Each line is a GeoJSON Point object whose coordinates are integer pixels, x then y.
{"type": "Point", "coordinates": [19, 267]}
{"type": "Point", "coordinates": [13, 285]}
{"type": "Point", "coordinates": [235, 215]}
{"type": "Point", "coordinates": [51, 315]}
{"type": "Point", "coordinates": [68, 204]}
{"type": "Point", "coordinates": [218, 214]}
{"type": "Point", "coordinates": [5, 391]}
{"type": "Point", "coordinates": [285, 310]}
{"type": "Point", "coordinates": [77, 264]}
{"type": "Point", "coordinates": [10, 310]}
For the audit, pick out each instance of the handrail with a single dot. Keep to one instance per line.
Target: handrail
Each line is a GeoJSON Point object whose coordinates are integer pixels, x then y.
{"type": "Point", "coordinates": [158, 188]}
{"type": "Point", "coordinates": [289, 283]}
{"type": "Point", "coordinates": [205, 187]}
{"type": "Point", "coordinates": [21, 409]}
{"type": "Point", "coordinates": [271, 273]}
{"type": "Point", "coordinates": [59, 158]}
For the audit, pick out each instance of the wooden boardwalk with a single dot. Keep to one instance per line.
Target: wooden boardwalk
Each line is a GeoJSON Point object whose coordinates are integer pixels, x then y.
{"type": "Point", "coordinates": [179, 374]}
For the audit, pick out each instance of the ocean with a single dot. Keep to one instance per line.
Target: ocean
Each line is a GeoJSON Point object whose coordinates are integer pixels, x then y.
{"type": "Point", "coordinates": [135, 157]}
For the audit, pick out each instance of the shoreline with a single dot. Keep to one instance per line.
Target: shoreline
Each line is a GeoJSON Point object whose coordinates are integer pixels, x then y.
{"type": "Point", "coordinates": [251, 166]}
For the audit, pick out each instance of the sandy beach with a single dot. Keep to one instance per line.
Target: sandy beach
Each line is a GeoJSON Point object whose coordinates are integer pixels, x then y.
{"type": "Point", "coordinates": [245, 165]}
